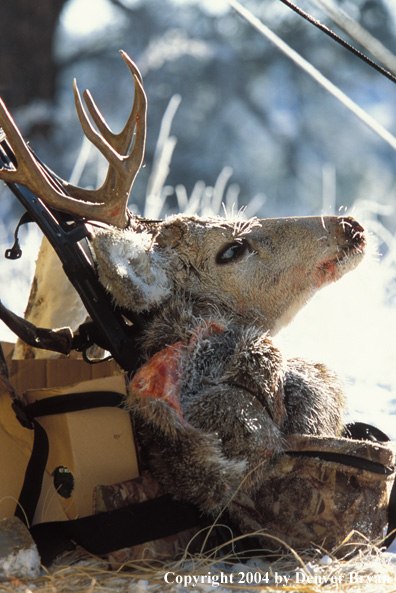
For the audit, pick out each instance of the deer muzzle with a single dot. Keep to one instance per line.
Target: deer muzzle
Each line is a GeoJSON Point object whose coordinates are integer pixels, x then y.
{"type": "Point", "coordinates": [347, 239]}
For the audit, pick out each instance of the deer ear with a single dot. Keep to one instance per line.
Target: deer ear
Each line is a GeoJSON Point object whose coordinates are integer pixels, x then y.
{"type": "Point", "coordinates": [131, 270]}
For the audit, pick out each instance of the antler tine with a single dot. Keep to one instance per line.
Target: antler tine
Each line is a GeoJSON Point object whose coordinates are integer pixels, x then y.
{"type": "Point", "coordinates": [25, 158]}
{"type": "Point", "coordinates": [108, 203]}
{"type": "Point", "coordinates": [97, 140]}
{"type": "Point", "coordinates": [115, 147]}
{"type": "Point", "coordinates": [27, 170]}
{"type": "Point", "coordinates": [120, 142]}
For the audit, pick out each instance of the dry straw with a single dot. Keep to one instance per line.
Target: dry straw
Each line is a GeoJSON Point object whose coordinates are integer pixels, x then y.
{"type": "Point", "coordinates": [313, 571]}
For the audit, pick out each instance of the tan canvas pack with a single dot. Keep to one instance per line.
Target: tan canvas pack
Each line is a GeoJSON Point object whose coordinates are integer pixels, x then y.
{"type": "Point", "coordinates": [87, 447]}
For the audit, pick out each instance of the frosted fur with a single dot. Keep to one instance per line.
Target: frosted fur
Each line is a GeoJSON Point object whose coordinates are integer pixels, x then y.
{"type": "Point", "coordinates": [128, 265]}
{"type": "Point", "coordinates": [239, 399]}
{"type": "Point", "coordinates": [216, 291]}
{"type": "Point", "coordinates": [285, 262]}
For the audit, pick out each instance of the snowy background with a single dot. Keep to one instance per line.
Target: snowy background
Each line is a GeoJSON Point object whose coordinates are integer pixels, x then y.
{"type": "Point", "coordinates": [247, 128]}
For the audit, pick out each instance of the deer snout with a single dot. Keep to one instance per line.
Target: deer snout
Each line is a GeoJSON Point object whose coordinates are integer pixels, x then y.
{"type": "Point", "coordinates": [346, 242]}
{"type": "Point", "coordinates": [353, 231]}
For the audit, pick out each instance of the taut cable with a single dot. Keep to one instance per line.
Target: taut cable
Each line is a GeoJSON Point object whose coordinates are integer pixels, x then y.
{"type": "Point", "coordinates": [314, 73]}
{"type": "Point", "coordinates": [308, 17]}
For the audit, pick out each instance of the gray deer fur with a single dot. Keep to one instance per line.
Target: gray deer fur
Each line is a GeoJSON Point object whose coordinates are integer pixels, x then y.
{"type": "Point", "coordinates": [216, 291]}
{"type": "Point", "coordinates": [215, 398]}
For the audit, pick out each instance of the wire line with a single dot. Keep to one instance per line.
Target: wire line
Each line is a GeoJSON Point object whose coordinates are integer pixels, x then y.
{"type": "Point", "coordinates": [315, 74]}
{"type": "Point", "coordinates": [338, 39]}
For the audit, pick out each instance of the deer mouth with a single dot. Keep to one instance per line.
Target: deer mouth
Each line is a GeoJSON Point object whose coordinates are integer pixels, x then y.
{"type": "Point", "coordinates": [348, 255]}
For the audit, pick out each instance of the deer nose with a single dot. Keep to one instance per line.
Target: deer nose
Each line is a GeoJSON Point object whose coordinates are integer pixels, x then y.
{"type": "Point", "coordinates": [353, 231]}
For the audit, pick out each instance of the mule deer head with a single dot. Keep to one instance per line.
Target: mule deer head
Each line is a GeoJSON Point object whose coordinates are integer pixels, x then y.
{"type": "Point", "coordinates": [261, 270]}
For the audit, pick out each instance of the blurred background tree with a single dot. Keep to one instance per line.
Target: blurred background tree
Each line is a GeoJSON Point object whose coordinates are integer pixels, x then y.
{"type": "Point", "coordinates": [291, 147]}
{"type": "Point", "coordinates": [28, 70]}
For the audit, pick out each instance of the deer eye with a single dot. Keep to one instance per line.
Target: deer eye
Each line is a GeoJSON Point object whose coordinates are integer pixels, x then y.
{"type": "Point", "coordinates": [232, 252]}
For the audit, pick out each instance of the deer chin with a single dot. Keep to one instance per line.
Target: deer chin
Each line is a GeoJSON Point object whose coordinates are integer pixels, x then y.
{"type": "Point", "coordinates": [346, 258]}
{"type": "Point", "coordinates": [331, 270]}
{"type": "Point", "coordinates": [326, 272]}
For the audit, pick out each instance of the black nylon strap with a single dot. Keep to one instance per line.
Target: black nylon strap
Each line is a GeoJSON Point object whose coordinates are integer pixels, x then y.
{"type": "Point", "coordinates": [73, 402]}
{"type": "Point", "coordinates": [348, 460]}
{"type": "Point", "coordinates": [31, 488]}
{"type": "Point", "coordinates": [98, 534]}
{"type": "Point", "coordinates": [362, 431]}
{"type": "Point", "coordinates": [358, 431]}
{"type": "Point", "coordinates": [58, 404]}
{"type": "Point", "coordinates": [114, 530]}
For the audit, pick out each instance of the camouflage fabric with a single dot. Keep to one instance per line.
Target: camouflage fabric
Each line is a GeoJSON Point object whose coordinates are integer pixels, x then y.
{"type": "Point", "coordinates": [304, 501]}
{"type": "Point", "coordinates": [310, 501]}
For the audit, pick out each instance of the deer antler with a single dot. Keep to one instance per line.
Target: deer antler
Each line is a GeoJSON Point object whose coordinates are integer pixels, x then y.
{"type": "Point", "coordinates": [108, 203]}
